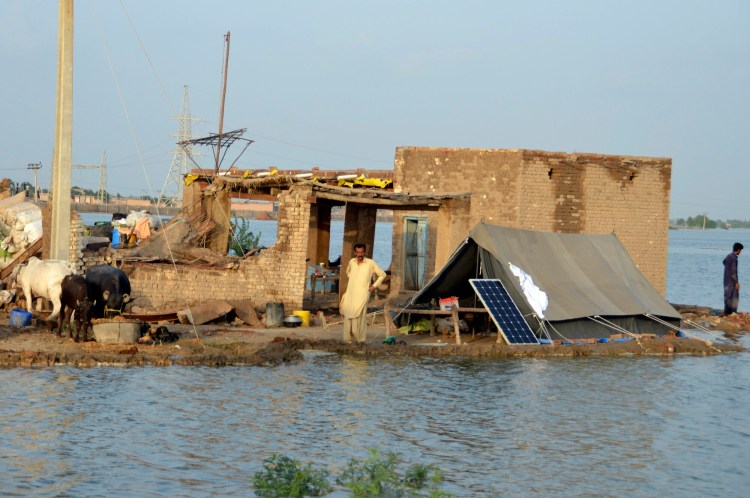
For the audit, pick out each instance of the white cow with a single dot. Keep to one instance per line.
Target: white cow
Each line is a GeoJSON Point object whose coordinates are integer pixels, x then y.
{"type": "Point", "coordinates": [43, 278]}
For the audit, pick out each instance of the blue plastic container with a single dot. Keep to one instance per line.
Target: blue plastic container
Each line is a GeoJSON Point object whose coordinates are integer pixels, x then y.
{"type": "Point", "coordinates": [115, 238]}
{"type": "Point", "coordinates": [20, 318]}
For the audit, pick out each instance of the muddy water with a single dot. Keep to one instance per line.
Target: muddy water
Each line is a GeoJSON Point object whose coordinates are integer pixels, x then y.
{"type": "Point", "coordinates": [590, 426]}
{"type": "Point", "coordinates": [612, 426]}
{"type": "Point", "coordinates": [695, 270]}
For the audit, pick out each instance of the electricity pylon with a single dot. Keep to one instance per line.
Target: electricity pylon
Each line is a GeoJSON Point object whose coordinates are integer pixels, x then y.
{"type": "Point", "coordinates": [172, 190]}
{"type": "Point", "coordinates": [101, 194]}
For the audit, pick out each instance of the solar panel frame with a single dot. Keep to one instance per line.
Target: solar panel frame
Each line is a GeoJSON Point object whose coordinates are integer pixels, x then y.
{"type": "Point", "coordinates": [504, 311]}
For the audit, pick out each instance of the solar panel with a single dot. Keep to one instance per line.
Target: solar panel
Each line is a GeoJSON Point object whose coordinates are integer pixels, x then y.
{"type": "Point", "coordinates": [504, 312]}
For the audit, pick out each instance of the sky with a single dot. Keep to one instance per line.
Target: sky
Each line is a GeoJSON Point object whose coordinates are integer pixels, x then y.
{"type": "Point", "coordinates": [341, 84]}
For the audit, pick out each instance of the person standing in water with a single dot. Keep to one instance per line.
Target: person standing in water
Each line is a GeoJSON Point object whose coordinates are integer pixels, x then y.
{"type": "Point", "coordinates": [731, 282]}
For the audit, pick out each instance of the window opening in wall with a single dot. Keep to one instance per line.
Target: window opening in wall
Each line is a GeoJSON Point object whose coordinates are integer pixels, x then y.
{"type": "Point", "coordinates": [254, 226]}
{"type": "Point", "coordinates": [550, 172]}
{"type": "Point", "coordinates": [632, 177]}
{"type": "Point", "coordinates": [415, 252]}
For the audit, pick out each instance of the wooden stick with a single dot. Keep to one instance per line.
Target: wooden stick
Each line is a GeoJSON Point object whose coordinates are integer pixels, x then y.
{"type": "Point", "coordinates": [456, 330]}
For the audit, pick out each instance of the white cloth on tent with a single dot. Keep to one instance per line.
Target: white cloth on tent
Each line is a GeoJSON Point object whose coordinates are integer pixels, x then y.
{"type": "Point", "coordinates": [536, 297]}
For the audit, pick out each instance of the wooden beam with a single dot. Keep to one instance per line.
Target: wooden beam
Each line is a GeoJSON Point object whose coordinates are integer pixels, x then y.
{"type": "Point", "coordinates": [21, 258]}
{"type": "Point", "coordinates": [262, 197]}
{"type": "Point", "coordinates": [406, 202]}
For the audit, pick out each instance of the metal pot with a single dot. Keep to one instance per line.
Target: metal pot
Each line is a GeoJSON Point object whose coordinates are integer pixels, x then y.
{"type": "Point", "coordinates": [292, 321]}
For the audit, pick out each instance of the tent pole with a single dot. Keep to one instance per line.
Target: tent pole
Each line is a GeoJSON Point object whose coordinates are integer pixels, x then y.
{"type": "Point", "coordinates": [476, 275]}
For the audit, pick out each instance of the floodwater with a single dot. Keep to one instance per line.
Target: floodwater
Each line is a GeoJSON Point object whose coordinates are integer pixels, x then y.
{"type": "Point", "coordinates": [573, 427]}
{"type": "Point", "coordinates": [695, 270]}
{"type": "Point", "coordinates": [635, 426]}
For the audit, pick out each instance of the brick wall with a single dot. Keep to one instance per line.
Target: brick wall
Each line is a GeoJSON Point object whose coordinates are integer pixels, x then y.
{"type": "Point", "coordinates": [550, 191]}
{"type": "Point", "coordinates": [277, 274]}
{"type": "Point", "coordinates": [76, 242]}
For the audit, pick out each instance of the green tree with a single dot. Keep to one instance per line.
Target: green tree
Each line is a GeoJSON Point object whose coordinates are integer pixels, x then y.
{"type": "Point", "coordinates": [241, 239]}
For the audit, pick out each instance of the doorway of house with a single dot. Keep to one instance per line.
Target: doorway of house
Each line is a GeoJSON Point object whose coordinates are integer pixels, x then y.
{"type": "Point", "coordinates": [415, 252]}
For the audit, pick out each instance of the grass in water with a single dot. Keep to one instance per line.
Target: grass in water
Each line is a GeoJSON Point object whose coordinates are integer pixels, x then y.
{"type": "Point", "coordinates": [375, 476]}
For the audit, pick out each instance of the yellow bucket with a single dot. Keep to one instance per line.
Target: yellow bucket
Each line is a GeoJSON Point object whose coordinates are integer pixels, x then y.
{"type": "Point", "coordinates": [304, 316]}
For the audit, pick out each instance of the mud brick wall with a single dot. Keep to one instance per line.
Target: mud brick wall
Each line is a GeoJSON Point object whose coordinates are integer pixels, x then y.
{"type": "Point", "coordinates": [76, 242]}
{"type": "Point", "coordinates": [551, 191]}
{"type": "Point", "coordinates": [81, 259]}
{"type": "Point", "coordinates": [277, 274]}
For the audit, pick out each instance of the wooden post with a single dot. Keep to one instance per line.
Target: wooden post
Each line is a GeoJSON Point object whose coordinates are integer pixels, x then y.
{"type": "Point", "coordinates": [312, 290]}
{"type": "Point", "coordinates": [387, 319]}
{"type": "Point", "coordinates": [456, 329]}
{"type": "Point", "coordinates": [500, 336]}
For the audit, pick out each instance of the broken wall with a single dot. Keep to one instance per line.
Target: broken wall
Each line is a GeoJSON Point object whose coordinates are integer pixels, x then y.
{"type": "Point", "coordinates": [276, 274]}
{"type": "Point", "coordinates": [548, 191]}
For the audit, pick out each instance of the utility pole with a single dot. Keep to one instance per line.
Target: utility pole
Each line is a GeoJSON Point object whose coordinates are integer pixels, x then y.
{"type": "Point", "coordinates": [704, 220]}
{"type": "Point", "coordinates": [223, 98]}
{"type": "Point", "coordinates": [63, 152]}
{"type": "Point", "coordinates": [35, 167]}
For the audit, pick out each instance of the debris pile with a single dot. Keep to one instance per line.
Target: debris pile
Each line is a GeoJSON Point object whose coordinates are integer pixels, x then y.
{"type": "Point", "coordinates": [712, 319]}
{"type": "Point", "coordinates": [20, 224]}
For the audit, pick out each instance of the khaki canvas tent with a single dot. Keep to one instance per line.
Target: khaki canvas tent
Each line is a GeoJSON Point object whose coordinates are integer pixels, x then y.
{"type": "Point", "coordinates": [592, 286]}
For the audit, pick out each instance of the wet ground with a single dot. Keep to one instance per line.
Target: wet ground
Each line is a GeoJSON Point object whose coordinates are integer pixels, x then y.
{"type": "Point", "coordinates": [221, 345]}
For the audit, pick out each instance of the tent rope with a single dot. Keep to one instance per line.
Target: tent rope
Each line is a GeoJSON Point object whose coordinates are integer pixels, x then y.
{"type": "Point", "coordinates": [557, 331]}
{"type": "Point", "coordinates": [540, 321]}
{"type": "Point", "coordinates": [603, 321]}
{"type": "Point", "coordinates": [703, 329]}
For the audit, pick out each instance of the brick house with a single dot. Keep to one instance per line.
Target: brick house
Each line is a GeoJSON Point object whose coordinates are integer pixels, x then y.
{"type": "Point", "coordinates": [547, 191]}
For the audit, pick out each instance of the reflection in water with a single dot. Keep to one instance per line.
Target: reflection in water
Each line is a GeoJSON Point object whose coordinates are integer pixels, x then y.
{"type": "Point", "coordinates": [615, 426]}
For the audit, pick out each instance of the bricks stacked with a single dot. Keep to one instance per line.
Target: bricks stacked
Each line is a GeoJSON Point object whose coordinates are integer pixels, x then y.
{"type": "Point", "coordinates": [548, 191]}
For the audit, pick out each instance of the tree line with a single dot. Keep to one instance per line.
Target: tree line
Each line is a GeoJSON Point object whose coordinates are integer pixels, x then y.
{"type": "Point", "coordinates": [16, 187]}
{"type": "Point", "coordinates": [703, 221]}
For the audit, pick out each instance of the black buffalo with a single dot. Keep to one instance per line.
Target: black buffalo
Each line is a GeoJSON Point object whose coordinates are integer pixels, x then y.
{"type": "Point", "coordinates": [74, 297]}
{"type": "Point", "coordinates": [108, 289]}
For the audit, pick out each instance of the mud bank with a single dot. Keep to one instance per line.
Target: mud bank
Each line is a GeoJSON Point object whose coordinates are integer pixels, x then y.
{"type": "Point", "coordinates": [488, 348]}
{"type": "Point", "coordinates": [225, 345]}
{"type": "Point", "coordinates": [40, 348]}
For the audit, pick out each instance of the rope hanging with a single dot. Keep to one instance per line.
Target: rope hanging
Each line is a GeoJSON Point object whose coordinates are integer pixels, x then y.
{"type": "Point", "coordinates": [136, 144]}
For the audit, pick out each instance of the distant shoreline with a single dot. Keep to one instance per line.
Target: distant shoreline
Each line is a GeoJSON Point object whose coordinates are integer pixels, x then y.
{"type": "Point", "coordinates": [172, 211]}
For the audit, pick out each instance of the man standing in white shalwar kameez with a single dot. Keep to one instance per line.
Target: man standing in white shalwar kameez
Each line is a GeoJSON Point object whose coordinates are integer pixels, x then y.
{"type": "Point", "coordinates": [353, 305]}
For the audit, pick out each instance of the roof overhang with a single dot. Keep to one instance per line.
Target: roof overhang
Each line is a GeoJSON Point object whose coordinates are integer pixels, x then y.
{"type": "Point", "coordinates": [363, 196]}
